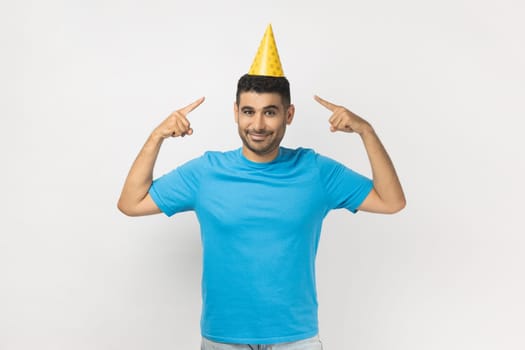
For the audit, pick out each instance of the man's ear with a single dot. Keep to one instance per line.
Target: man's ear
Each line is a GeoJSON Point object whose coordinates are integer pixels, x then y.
{"type": "Point", "coordinates": [236, 112]}
{"type": "Point", "coordinates": [289, 114]}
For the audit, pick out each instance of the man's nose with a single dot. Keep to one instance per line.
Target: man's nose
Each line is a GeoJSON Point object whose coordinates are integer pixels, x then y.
{"type": "Point", "coordinates": [258, 123]}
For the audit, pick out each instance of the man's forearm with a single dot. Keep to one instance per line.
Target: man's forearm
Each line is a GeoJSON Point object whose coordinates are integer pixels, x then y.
{"type": "Point", "coordinates": [134, 198]}
{"type": "Point", "coordinates": [387, 196]}
{"type": "Point", "coordinates": [140, 176]}
{"type": "Point", "coordinates": [386, 181]}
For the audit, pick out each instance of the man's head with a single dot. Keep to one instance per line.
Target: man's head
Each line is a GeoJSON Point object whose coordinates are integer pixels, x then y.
{"type": "Point", "coordinates": [262, 111]}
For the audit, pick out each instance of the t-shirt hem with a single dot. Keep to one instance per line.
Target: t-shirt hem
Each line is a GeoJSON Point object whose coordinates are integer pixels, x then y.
{"type": "Point", "coordinates": [271, 340]}
{"type": "Point", "coordinates": [365, 193]}
{"type": "Point", "coordinates": [158, 201]}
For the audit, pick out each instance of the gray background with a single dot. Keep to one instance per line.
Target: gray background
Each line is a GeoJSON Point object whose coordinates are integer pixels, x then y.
{"type": "Point", "coordinates": [83, 83]}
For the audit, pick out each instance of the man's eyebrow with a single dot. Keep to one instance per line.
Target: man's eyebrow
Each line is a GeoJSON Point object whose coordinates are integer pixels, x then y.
{"type": "Point", "coordinates": [264, 108]}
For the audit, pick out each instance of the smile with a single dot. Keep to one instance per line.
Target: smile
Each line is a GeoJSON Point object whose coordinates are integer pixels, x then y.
{"type": "Point", "coordinates": [258, 136]}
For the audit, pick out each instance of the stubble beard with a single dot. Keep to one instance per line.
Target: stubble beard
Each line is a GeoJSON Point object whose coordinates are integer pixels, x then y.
{"type": "Point", "coordinates": [263, 147]}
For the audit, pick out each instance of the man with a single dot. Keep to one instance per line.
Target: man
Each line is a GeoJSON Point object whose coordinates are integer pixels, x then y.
{"type": "Point", "coordinates": [260, 209]}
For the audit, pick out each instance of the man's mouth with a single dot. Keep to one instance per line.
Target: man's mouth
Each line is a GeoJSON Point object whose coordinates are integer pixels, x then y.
{"type": "Point", "coordinates": [255, 136]}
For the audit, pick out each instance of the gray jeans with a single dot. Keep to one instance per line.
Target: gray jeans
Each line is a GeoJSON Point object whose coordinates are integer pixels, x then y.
{"type": "Point", "coordinates": [306, 344]}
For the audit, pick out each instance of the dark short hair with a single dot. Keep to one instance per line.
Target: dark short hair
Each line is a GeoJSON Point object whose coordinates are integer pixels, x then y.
{"type": "Point", "coordinates": [261, 84]}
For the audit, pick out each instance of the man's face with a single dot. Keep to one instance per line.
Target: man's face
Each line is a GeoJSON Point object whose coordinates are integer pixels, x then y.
{"type": "Point", "coordinates": [262, 120]}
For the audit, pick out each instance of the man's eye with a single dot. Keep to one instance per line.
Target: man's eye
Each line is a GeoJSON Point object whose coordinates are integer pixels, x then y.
{"type": "Point", "coordinates": [247, 112]}
{"type": "Point", "coordinates": [270, 113]}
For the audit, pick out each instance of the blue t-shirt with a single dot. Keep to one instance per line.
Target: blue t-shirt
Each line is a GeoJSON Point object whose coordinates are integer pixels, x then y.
{"type": "Point", "coordinates": [260, 227]}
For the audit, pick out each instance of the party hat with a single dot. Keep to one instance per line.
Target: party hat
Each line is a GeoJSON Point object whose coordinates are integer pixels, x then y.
{"type": "Point", "coordinates": [267, 60]}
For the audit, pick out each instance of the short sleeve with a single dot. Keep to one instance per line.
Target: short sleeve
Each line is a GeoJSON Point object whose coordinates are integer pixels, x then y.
{"type": "Point", "coordinates": [344, 187]}
{"type": "Point", "coordinates": [176, 191]}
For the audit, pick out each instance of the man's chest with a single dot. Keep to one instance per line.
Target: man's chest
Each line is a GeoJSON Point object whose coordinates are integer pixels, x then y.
{"type": "Point", "coordinates": [261, 201]}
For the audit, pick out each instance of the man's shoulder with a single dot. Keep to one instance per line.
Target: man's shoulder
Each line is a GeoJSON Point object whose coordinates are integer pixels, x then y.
{"type": "Point", "coordinates": [311, 158]}
{"type": "Point", "coordinates": [213, 156]}
{"type": "Point", "coordinates": [307, 156]}
{"type": "Point", "coordinates": [300, 152]}
{"type": "Point", "coordinates": [207, 158]}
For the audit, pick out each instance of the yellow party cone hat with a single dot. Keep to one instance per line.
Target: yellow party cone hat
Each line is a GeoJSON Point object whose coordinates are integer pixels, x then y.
{"type": "Point", "coordinates": [267, 60]}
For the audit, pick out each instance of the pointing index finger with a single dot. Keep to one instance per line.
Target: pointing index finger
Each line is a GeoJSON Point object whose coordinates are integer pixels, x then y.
{"type": "Point", "coordinates": [325, 103]}
{"type": "Point", "coordinates": [192, 106]}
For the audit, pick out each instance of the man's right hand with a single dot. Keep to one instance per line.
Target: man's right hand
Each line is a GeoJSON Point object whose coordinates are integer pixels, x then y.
{"type": "Point", "coordinates": [177, 123]}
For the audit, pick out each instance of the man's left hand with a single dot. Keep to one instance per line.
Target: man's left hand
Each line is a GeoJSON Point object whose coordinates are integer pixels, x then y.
{"type": "Point", "coordinates": [344, 120]}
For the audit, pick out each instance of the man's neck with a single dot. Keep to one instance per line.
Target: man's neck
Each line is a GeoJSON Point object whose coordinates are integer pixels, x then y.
{"type": "Point", "coordinates": [259, 158]}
